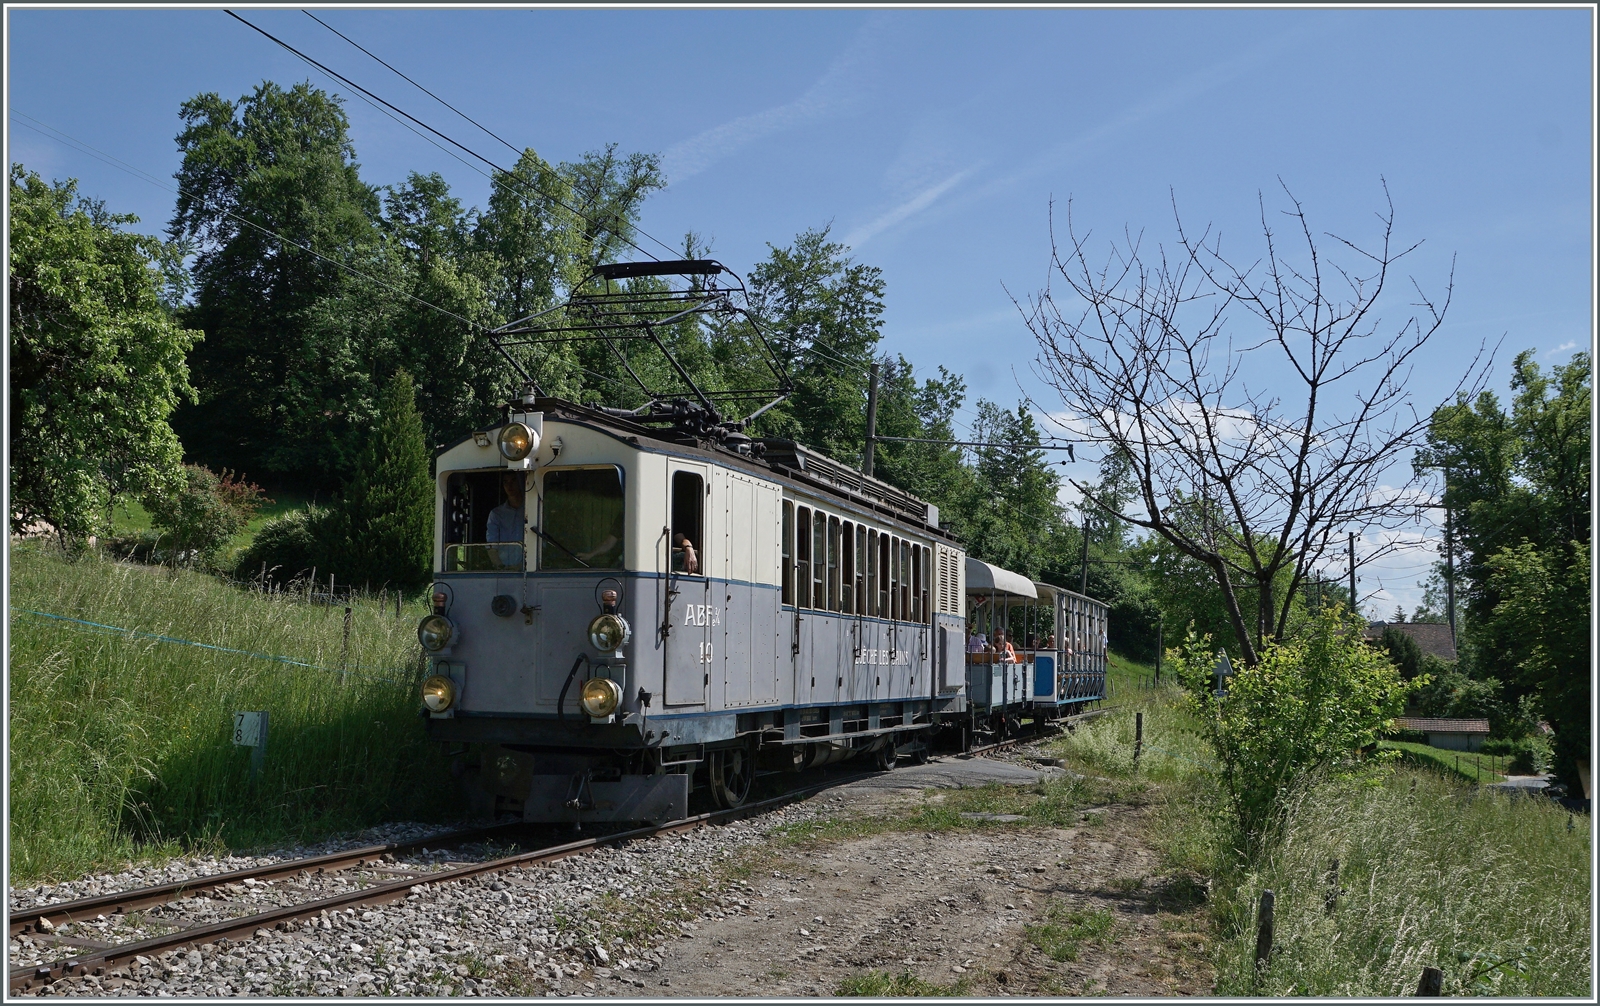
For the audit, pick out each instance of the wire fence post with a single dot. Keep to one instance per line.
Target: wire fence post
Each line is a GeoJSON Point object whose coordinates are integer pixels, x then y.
{"type": "Point", "coordinates": [1330, 900]}
{"type": "Point", "coordinates": [1432, 983]}
{"type": "Point", "coordinates": [1138, 737]}
{"type": "Point", "coordinates": [1264, 932]}
{"type": "Point", "coordinates": [344, 651]}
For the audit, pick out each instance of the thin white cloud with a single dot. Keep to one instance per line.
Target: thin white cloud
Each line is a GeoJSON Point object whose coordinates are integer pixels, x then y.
{"type": "Point", "coordinates": [916, 204]}
{"type": "Point", "coordinates": [837, 90]}
{"type": "Point", "coordinates": [1565, 347]}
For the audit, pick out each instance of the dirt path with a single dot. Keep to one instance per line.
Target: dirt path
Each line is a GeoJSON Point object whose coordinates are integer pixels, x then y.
{"type": "Point", "coordinates": [964, 911]}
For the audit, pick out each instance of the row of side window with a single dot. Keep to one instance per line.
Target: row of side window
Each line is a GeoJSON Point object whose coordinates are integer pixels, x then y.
{"type": "Point", "coordinates": [832, 564]}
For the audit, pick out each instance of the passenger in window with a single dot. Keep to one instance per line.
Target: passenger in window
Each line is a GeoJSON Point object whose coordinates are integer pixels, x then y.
{"type": "Point", "coordinates": [1004, 654]}
{"type": "Point", "coordinates": [683, 558]}
{"type": "Point", "coordinates": [977, 642]}
{"type": "Point", "coordinates": [506, 521]}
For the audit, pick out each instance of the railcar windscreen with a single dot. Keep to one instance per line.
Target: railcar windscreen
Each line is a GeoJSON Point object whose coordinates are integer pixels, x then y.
{"type": "Point", "coordinates": [582, 523]}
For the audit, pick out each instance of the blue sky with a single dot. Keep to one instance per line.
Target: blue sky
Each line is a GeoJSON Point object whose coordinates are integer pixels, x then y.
{"type": "Point", "coordinates": [933, 141]}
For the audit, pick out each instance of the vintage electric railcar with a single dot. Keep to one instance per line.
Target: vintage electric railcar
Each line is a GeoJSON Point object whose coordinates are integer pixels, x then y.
{"type": "Point", "coordinates": [673, 605]}
{"type": "Point", "coordinates": [631, 604]}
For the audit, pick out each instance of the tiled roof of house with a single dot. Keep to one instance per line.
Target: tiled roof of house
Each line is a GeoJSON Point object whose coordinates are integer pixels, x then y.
{"type": "Point", "coordinates": [1440, 725]}
{"type": "Point", "coordinates": [1432, 638]}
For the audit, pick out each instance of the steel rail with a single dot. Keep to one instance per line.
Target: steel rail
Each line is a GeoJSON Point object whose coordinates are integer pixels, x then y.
{"type": "Point", "coordinates": [20, 923]}
{"type": "Point", "coordinates": [1036, 734]}
{"type": "Point", "coordinates": [98, 960]}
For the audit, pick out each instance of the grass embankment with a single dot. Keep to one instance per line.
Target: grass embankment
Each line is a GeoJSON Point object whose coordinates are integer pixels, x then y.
{"type": "Point", "coordinates": [121, 745]}
{"type": "Point", "coordinates": [1491, 888]}
{"type": "Point", "coordinates": [1475, 768]}
{"type": "Point", "coordinates": [130, 517]}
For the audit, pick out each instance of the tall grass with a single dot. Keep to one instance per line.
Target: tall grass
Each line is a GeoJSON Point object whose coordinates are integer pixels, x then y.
{"type": "Point", "coordinates": [121, 746]}
{"type": "Point", "coordinates": [1493, 889]}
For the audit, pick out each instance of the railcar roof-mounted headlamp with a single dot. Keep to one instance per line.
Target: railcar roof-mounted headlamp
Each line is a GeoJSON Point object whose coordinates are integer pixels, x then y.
{"type": "Point", "coordinates": [519, 439]}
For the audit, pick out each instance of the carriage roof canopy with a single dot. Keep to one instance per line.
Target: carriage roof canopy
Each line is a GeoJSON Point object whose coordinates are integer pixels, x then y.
{"type": "Point", "coordinates": [983, 578]}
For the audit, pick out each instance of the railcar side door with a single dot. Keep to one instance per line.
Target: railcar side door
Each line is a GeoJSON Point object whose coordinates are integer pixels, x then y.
{"type": "Point", "coordinates": [694, 610]}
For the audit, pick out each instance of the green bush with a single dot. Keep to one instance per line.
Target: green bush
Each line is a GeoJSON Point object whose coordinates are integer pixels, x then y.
{"type": "Point", "coordinates": [1529, 755]}
{"type": "Point", "coordinates": [1309, 705]}
{"type": "Point", "coordinates": [289, 547]}
{"type": "Point", "coordinates": [199, 518]}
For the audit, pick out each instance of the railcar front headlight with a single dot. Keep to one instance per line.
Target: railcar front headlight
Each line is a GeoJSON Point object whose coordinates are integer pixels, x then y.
{"type": "Point", "coordinates": [609, 633]}
{"type": "Point", "coordinates": [517, 441]}
{"type": "Point", "coordinates": [435, 632]}
{"type": "Point", "coordinates": [601, 696]}
{"type": "Point", "coordinates": [438, 693]}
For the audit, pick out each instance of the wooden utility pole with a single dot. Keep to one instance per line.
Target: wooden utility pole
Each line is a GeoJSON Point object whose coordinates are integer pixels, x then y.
{"type": "Point", "coordinates": [1083, 579]}
{"type": "Point", "coordinates": [872, 423]}
{"type": "Point", "coordinates": [1354, 606]}
{"type": "Point", "coordinates": [1449, 577]}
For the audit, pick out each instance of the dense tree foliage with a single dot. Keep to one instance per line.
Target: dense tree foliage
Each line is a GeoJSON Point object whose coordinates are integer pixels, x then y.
{"type": "Point", "coordinates": [314, 287]}
{"type": "Point", "coordinates": [1517, 487]}
{"type": "Point", "coordinates": [97, 360]}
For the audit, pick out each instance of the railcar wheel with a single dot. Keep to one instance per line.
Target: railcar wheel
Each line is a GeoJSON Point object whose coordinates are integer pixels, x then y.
{"type": "Point", "coordinates": [886, 756]}
{"type": "Point", "coordinates": [731, 772]}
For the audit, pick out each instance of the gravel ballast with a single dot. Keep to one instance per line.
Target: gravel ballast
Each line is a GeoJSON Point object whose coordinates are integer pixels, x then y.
{"type": "Point", "coordinates": [550, 928]}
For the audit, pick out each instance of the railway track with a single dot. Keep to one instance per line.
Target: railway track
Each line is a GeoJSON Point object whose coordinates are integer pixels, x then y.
{"type": "Point", "coordinates": [1008, 742]}
{"type": "Point", "coordinates": [42, 923]}
{"type": "Point", "coordinates": [96, 959]}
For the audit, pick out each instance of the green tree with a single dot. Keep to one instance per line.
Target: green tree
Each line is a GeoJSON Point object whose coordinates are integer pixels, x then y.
{"type": "Point", "coordinates": [382, 529]}
{"type": "Point", "coordinates": [461, 380]}
{"type": "Point", "coordinates": [282, 387]}
{"type": "Point", "coordinates": [823, 312]}
{"type": "Point", "coordinates": [1544, 595]}
{"type": "Point", "coordinates": [1308, 705]}
{"type": "Point", "coordinates": [97, 360]}
{"type": "Point", "coordinates": [1403, 651]}
{"type": "Point", "coordinates": [1517, 487]}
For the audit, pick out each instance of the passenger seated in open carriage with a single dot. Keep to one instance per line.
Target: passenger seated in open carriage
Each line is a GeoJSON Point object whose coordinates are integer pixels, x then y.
{"type": "Point", "coordinates": [1004, 654]}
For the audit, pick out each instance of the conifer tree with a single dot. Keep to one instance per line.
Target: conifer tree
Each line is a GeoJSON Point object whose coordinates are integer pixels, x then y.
{"type": "Point", "coordinates": [383, 528]}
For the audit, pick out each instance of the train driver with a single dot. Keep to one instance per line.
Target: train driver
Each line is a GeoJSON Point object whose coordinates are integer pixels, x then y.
{"type": "Point", "coordinates": [506, 521]}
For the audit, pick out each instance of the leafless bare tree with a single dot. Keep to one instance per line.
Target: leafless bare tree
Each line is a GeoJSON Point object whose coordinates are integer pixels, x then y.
{"type": "Point", "coordinates": [1251, 477]}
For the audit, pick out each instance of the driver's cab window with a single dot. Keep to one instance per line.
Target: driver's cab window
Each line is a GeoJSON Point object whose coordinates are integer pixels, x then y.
{"type": "Point", "coordinates": [688, 529]}
{"type": "Point", "coordinates": [485, 522]}
{"type": "Point", "coordinates": [582, 519]}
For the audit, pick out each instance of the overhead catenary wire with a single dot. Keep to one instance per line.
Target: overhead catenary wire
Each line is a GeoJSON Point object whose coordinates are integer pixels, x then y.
{"type": "Point", "coordinates": [45, 129]}
{"type": "Point", "coordinates": [456, 143]}
{"type": "Point", "coordinates": [413, 83]}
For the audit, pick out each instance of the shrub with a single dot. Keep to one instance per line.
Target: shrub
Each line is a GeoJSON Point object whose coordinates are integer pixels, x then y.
{"type": "Point", "coordinates": [289, 546]}
{"type": "Point", "coordinates": [204, 513]}
{"type": "Point", "coordinates": [1529, 755]}
{"type": "Point", "coordinates": [1310, 704]}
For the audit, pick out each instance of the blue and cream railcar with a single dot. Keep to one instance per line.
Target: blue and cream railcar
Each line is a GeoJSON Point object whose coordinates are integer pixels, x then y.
{"type": "Point", "coordinates": [668, 609]}
{"type": "Point", "coordinates": [1071, 670]}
